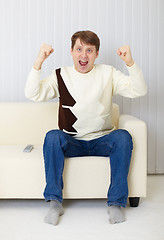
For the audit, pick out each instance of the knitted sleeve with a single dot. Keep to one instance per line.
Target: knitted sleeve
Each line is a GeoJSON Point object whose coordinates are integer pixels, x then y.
{"type": "Point", "coordinates": [131, 86]}
{"type": "Point", "coordinates": [41, 90]}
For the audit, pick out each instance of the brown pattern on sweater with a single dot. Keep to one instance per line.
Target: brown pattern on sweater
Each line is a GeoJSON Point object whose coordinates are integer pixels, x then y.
{"type": "Point", "coordinates": [66, 117]}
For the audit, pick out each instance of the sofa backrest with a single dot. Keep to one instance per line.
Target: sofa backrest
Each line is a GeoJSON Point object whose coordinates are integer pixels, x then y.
{"type": "Point", "coordinates": [27, 123]}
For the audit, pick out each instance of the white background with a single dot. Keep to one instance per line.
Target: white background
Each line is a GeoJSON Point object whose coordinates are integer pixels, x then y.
{"type": "Point", "coordinates": [25, 24]}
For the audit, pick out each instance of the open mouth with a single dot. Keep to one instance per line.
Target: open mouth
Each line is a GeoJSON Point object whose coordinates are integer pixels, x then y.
{"type": "Point", "coordinates": [83, 63]}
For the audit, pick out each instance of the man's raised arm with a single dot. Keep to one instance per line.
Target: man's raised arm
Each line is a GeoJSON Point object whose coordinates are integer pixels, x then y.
{"type": "Point", "coordinates": [125, 54]}
{"type": "Point", "coordinates": [45, 89]}
{"type": "Point", "coordinates": [44, 53]}
{"type": "Point", "coordinates": [131, 86]}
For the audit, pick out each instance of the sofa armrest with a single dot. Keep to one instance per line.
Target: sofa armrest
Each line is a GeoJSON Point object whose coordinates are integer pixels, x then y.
{"type": "Point", "coordinates": [138, 168]}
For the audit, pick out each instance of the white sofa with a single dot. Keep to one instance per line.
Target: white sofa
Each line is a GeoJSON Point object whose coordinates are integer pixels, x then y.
{"type": "Point", "coordinates": [22, 174]}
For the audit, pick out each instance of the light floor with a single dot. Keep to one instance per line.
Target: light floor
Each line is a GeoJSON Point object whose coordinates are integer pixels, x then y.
{"type": "Point", "coordinates": [85, 219]}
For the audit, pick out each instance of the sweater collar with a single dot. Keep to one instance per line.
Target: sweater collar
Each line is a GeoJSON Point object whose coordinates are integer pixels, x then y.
{"type": "Point", "coordinates": [84, 75]}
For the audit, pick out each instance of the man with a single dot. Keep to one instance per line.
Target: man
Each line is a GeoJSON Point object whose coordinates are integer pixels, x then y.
{"type": "Point", "coordinates": [85, 118]}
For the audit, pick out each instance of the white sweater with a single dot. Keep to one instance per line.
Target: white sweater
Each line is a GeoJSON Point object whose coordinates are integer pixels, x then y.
{"type": "Point", "coordinates": [86, 99]}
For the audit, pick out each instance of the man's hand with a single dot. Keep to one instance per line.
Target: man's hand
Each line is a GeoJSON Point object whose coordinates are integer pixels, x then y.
{"type": "Point", "coordinates": [44, 53]}
{"type": "Point", "coordinates": [125, 54]}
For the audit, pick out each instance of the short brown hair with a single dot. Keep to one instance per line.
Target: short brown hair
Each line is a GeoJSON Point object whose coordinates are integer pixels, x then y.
{"type": "Point", "coordinates": [87, 37]}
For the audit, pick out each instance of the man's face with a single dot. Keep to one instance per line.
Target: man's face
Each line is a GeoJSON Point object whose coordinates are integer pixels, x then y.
{"type": "Point", "coordinates": [84, 56]}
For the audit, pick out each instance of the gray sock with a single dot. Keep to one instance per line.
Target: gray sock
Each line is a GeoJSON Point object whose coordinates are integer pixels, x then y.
{"type": "Point", "coordinates": [116, 214]}
{"type": "Point", "coordinates": [55, 210]}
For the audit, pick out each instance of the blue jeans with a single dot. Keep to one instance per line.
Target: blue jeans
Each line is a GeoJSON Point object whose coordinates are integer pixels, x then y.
{"type": "Point", "coordinates": [58, 145]}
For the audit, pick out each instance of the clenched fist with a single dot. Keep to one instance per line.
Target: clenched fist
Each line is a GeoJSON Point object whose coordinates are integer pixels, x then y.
{"type": "Point", "coordinates": [44, 52]}
{"type": "Point", "coordinates": [125, 54]}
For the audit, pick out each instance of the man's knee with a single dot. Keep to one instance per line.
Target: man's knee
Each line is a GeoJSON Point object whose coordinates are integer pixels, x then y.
{"type": "Point", "coordinates": [53, 135]}
{"type": "Point", "coordinates": [123, 136]}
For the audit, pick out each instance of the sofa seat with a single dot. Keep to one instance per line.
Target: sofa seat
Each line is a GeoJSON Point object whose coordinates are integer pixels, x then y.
{"type": "Point", "coordinates": [20, 172]}
{"type": "Point", "coordinates": [25, 173]}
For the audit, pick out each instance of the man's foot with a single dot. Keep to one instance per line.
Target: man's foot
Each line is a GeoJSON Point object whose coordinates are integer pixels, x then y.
{"type": "Point", "coordinates": [116, 214]}
{"type": "Point", "coordinates": [56, 210]}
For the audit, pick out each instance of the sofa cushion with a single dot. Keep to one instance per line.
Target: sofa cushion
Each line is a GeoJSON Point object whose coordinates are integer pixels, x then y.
{"type": "Point", "coordinates": [23, 123]}
{"type": "Point", "coordinates": [22, 174]}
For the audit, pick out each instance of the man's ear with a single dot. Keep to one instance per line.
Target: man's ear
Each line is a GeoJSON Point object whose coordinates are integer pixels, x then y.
{"type": "Point", "coordinates": [97, 54]}
{"type": "Point", "coordinates": [71, 51]}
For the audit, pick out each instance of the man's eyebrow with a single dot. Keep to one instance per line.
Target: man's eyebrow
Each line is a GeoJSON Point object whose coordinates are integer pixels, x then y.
{"type": "Point", "coordinates": [88, 47]}
{"type": "Point", "coordinates": [91, 47]}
